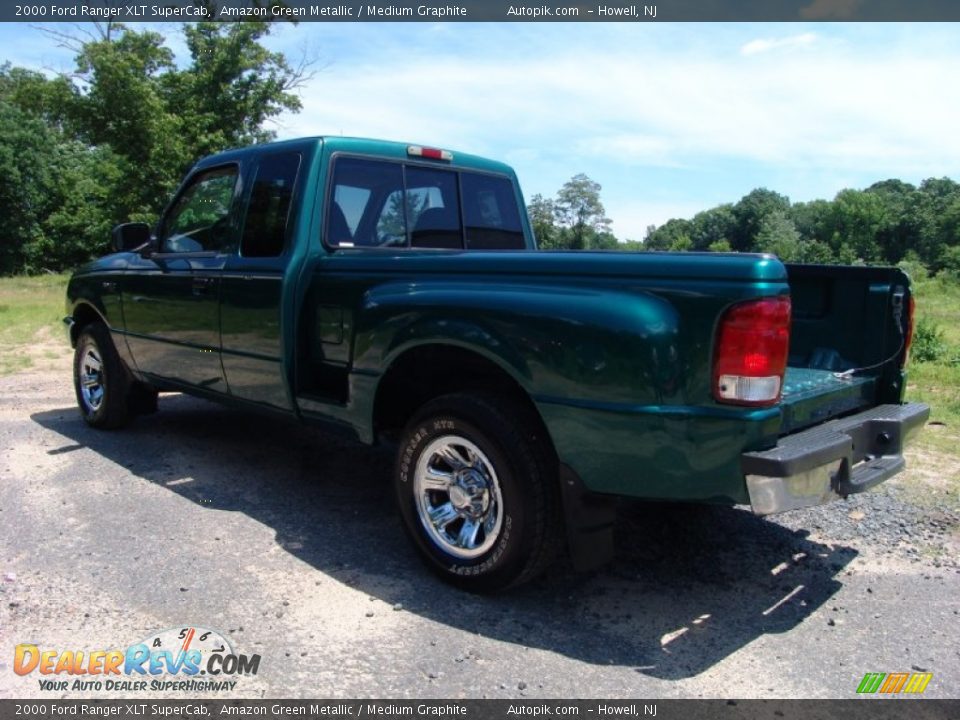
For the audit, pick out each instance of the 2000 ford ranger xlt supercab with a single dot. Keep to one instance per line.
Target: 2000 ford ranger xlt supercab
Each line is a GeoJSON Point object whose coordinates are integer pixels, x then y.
{"type": "Point", "coordinates": [395, 293]}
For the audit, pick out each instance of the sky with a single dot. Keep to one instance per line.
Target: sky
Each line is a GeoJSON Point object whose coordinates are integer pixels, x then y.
{"type": "Point", "coordinates": [670, 119]}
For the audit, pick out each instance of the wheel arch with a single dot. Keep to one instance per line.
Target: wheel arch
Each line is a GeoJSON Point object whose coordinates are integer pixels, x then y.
{"type": "Point", "coordinates": [419, 373]}
{"type": "Point", "coordinates": [83, 314]}
{"type": "Point", "coordinates": [423, 372]}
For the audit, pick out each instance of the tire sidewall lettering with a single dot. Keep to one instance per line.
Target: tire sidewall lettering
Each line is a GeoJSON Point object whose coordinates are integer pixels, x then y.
{"type": "Point", "coordinates": [408, 459]}
{"type": "Point", "coordinates": [495, 555]}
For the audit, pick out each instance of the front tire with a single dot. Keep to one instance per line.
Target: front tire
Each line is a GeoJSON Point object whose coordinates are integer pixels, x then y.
{"type": "Point", "coordinates": [478, 491]}
{"type": "Point", "coordinates": [100, 379]}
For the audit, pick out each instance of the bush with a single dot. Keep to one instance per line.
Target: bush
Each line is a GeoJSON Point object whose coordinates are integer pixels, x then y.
{"type": "Point", "coordinates": [913, 267]}
{"type": "Point", "coordinates": [928, 342]}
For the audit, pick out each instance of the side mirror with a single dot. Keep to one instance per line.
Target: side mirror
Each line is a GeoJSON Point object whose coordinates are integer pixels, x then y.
{"type": "Point", "coordinates": [130, 236]}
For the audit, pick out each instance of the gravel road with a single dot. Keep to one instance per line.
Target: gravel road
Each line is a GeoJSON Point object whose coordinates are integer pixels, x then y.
{"type": "Point", "coordinates": [287, 541]}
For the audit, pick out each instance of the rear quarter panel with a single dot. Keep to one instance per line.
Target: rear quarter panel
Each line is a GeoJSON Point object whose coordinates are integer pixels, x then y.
{"type": "Point", "coordinates": [615, 350]}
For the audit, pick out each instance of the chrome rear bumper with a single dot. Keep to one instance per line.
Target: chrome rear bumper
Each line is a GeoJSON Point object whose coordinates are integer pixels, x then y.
{"type": "Point", "coordinates": [830, 461]}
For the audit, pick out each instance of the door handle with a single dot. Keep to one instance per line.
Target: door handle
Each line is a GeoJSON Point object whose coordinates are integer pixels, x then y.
{"type": "Point", "coordinates": [202, 284]}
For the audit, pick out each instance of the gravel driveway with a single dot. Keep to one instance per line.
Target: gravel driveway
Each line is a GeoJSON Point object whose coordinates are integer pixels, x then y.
{"type": "Point", "coordinates": [287, 541]}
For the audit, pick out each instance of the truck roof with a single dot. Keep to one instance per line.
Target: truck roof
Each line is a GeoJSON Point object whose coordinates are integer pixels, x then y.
{"type": "Point", "coordinates": [359, 146]}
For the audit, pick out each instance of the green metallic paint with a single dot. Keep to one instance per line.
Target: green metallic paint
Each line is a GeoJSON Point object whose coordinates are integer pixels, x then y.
{"type": "Point", "coordinates": [87, 290]}
{"type": "Point", "coordinates": [614, 349]}
{"type": "Point", "coordinates": [611, 350]}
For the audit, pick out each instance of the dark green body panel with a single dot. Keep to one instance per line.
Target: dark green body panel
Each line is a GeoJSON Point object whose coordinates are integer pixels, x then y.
{"type": "Point", "coordinates": [251, 336]}
{"type": "Point", "coordinates": [172, 318]}
{"type": "Point", "coordinates": [615, 350]}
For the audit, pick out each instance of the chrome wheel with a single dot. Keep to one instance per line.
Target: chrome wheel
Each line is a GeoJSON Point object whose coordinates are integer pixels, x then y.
{"type": "Point", "coordinates": [91, 378]}
{"type": "Point", "coordinates": [458, 497]}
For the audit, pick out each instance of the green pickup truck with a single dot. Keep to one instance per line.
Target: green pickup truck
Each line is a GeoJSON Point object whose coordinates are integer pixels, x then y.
{"type": "Point", "coordinates": [394, 293]}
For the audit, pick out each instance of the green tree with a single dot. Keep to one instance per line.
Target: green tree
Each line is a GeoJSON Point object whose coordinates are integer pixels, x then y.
{"type": "Point", "coordinates": [856, 220]}
{"type": "Point", "coordinates": [233, 86]}
{"type": "Point", "coordinates": [816, 252]}
{"type": "Point", "coordinates": [580, 212]}
{"type": "Point", "coordinates": [901, 230]}
{"type": "Point", "coordinates": [674, 234]}
{"type": "Point", "coordinates": [778, 235]}
{"type": "Point", "coordinates": [543, 220]}
{"type": "Point", "coordinates": [811, 219]}
{"type": "Point", "coordinates": [109, 142]}
{"type": "Point", "coordinates": [35, 94]}
{"type": "Point", "coordinates": [159, 119]}
{"type": "Point", "coordinates": [713, 226]}
{"type": "Point", "coordinates": [937, 219]}
{"type": "Point", "coordinates": [27, 182]}
{"type": "Point", "coordinates": [750, 212]}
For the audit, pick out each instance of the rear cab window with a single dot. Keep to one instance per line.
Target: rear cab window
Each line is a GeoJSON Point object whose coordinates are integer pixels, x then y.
{"type": "Point", "coordinates": [384, 204]}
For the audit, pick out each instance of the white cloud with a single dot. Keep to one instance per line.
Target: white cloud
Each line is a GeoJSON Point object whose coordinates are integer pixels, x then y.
{"type": "Point", "coordinates": [755, 47]}
{"type": "Point", "coordinates": [639, 149]}
{"type": "Point", "coordinates": [872, 111]}
{"type": "Point", "coordinates": [617, 109]}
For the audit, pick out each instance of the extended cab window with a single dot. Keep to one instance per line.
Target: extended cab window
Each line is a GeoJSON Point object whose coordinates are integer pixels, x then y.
{"type": "Point", "coordinates": [199, 220]}
{"type": "Point", "coordinates": [384, 204]}
{"type": "Point", "coordinates": [265, 226]}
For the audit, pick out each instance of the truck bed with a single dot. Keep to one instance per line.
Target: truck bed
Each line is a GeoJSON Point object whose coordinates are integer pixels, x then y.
{"type": "Point", "coordinates": [847, 342]}
{"type": "Point", "coordinates": [811, 396]}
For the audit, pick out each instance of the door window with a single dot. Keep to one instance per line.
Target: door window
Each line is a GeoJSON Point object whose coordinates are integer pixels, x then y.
{"type": "Point", "coordinates": [199, 220]}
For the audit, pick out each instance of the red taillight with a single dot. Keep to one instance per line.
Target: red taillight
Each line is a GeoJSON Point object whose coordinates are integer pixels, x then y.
{"type": "Point", "coordinates": [751, 352]}
{"type": "Point", "coordinates": [911, 308]}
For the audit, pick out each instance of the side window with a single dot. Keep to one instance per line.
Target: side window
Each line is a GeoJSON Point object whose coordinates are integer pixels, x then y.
{"type": "Point", "coordinates": [433, 208]}
{"type": "Point", "coordinates": [199, 220]}
{"type": "Point", "coordinates": [265, 226]}
{"type": "Point", "coordinates": [361, 210]}
{"type": "Point", "coordinates": [490, 213]}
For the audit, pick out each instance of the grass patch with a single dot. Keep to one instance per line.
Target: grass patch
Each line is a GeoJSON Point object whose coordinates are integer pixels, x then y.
{"type": "Point", "coordinates": [938, 302]}
{"type": "Point", "coordinates": [938, 383]}
{"type": "Point", "coordinates": [29, 306]}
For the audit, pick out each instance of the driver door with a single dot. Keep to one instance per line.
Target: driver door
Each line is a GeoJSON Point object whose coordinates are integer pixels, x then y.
{"type": "Point", "coordinates": [171, 298]}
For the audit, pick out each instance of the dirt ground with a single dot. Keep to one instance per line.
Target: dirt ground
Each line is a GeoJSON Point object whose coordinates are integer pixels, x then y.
{"type": "Point", "coordinates": [286, 542]}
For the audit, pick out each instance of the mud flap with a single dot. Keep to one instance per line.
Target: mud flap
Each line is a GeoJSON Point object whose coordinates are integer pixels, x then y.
{"type": "Point", "coordinates": [589, 520]}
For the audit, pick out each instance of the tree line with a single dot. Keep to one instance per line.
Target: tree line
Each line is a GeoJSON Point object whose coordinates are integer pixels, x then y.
{"type": "Point", "coordinates": [890, 222]}
{"type": "Point", "coordinates": [110, 140]}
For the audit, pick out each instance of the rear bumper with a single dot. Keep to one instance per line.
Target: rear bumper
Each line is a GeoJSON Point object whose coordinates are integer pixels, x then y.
{"type": "Point", "coordinates": [838, 458]}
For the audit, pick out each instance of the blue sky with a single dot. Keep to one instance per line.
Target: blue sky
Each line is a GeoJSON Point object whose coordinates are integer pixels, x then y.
{"type": "Point", "coordinates": [669, 118]}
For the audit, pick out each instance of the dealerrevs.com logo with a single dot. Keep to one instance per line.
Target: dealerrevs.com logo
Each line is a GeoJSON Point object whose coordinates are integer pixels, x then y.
{"type": "Point", "coordinates": [189, 659]}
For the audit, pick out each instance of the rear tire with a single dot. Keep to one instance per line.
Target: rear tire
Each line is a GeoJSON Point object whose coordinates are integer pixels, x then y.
{"type": "Point", "coordinates": [100, 379]}
{"type": "Point", "coordinates": [478, 492]}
